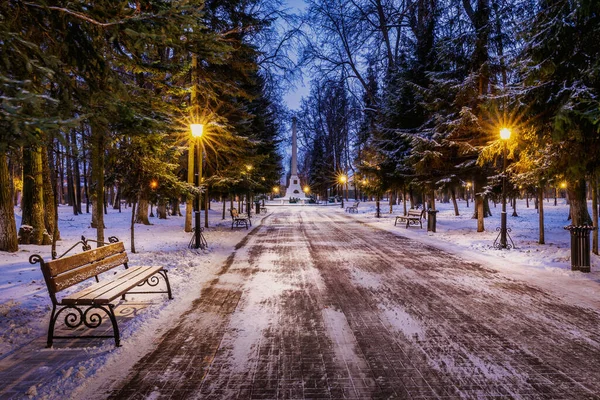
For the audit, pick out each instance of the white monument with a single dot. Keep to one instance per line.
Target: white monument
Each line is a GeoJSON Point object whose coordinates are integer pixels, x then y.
{"type": "Point", "coordinates": [294, 189]}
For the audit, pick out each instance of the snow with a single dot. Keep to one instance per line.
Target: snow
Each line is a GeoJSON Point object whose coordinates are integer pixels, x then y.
{"type": "Point", "coordinates": [25, 305]}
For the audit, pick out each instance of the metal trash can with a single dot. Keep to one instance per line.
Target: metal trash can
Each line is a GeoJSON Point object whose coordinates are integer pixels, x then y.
{"type": "Point", "coordinates": [257, 204]}
{"type": "Point", "coordinates": [580, 247]}
{"type": "Point", "coordinates": [431, 220]}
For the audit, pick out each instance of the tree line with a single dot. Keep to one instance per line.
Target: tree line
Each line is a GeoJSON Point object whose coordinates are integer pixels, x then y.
{"type": "Point", "coordinates": [97, 100]}
{"type": "Point", "coordinates": [410, 96]}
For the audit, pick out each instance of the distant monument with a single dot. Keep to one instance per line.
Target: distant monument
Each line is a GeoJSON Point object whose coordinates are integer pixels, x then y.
{"type": "Point", "coordinates": [294, 189]}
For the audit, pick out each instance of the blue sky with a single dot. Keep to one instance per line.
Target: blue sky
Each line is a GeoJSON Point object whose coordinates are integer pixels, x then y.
{"type": "Point", "coordinates": [293, 96]}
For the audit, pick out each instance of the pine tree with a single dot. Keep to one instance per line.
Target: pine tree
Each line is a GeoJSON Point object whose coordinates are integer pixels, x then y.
{"type": "Point", "coordinates": [560, 86]}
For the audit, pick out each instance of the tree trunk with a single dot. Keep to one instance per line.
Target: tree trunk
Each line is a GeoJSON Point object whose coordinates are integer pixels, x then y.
{"type": "Point", "coordinates": [479, 210]}
{"type": "Point", "coordinates": [50, 208]}
{"type": "Point", "coordinates": [8, 227]}
{"type": "Point", "coordinates": [175, 209]}
{"type": "Point", "coordinates": [190, 178]}
{"type": "Point", "coordinates": [98, 147]}
{"type": "Point", "coordinates": [454, 203]}
{"type": "Point", "coordinates": [132, 226]}
{"type": "Point", "coordinates": [224, 206]}
{"type": "Point", "coordinates": [577, 196]}
{"type": "Point", "coordinates": [71, 189]}
{"type": "Point", "coordinates": [514, 207]}
{"type": "Point", "coordinates": [86, 186]}
{"type": "Point", "coordinates": [206, 208]}
{"type": "Point", "coordinates": [60, 164]}
{"type": "Point", "coordinates": [161, 209]}
{"type": "Point", "coordinates": [76, 172]}
{"type": "Point", "coordinates": [432, 199]}
{"type": "Point", "coordinates": [32, 224]}
{"type": "Point", "coordinates": [594, 186]}
{"type": "Point", "coordinates": [142, 211]}
{"type": "Point", "coordinates": [541, 214]}
{"type": "Point", "coordinates": [479, 205]}
{"type": "Point", "coordinates": [117, 200]}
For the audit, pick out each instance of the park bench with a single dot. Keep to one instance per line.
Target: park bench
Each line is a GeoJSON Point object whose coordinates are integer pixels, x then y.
{"type": "Point", "coordinates": [87, 307]}
{"type": "Point", "coordinates": [353, 208]}
{"type": "Point", "coordinates": [263, 209]}
{"type": "Point", "coordinates": [413, 217]}
{"type": "Point", "coordinates": [237, 220]}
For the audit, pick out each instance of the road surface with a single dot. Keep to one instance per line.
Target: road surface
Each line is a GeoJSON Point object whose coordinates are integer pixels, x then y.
{"type": "Point", "coordinates": [319, 305]}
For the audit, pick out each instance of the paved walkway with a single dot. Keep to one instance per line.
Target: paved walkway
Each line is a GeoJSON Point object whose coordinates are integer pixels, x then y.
{"type": "Point", "coordinates": [319, 306]}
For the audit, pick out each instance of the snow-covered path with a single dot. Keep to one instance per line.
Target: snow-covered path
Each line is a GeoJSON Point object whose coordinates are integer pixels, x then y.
{"type": "Point", "coordinates": [316, 304]}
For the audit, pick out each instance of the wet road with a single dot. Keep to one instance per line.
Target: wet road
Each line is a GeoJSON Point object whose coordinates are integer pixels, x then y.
{"type": "Point", "coordinates": [317, 305]}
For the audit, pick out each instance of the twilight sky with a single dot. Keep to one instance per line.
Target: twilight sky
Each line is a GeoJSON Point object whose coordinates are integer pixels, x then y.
{"type": "Point", "coordinates": [293, 96]}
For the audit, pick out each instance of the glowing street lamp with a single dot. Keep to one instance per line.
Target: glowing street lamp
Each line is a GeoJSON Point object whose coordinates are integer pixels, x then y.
{"type": "Point", "coordinates": [197, 130]}
{"type": "Point", "coordinates": [504, 135]}
{"type": "Point", "coordinates": [468, 192]}
{"type": "Point", "coordinates": [343, 179]}
{"type": "Point", "coordinates": [306, 190]}
{"type": "Point", "coordinates": [249, 168]}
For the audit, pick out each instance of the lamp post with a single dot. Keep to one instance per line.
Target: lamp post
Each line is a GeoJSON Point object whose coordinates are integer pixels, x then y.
{"type": "Point", "coordinates": [504, 135]}
{"type": "Point", "coordinates": [248, 206]}
{"type": "Point", "coordinates": [343, 179]}
{"type": "Point", "coordinates": [197, 134]}
{"type": "Point", "coordinates": [468, 192]}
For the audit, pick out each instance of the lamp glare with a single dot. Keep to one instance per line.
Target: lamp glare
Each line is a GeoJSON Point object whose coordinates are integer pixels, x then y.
{"type": "Point", "coordinates": [197, 130]}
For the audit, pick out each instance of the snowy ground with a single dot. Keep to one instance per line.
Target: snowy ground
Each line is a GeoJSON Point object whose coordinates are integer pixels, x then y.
{"type": "Point", "coordinates": [24, 302]}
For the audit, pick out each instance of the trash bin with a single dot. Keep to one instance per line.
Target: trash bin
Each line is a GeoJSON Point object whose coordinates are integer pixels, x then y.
{"type": "Point", "coordinates": [431, 220]}
{"type": "Point", "coordinates": [257, 204]}
{"type": "Point", "coordinates": [580, 247]}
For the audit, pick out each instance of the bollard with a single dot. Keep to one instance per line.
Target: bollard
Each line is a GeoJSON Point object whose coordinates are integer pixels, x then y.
{"type": "Point", "coordinates": [580, 247]}
{"type": "Point", "coordinates": [431, 220]}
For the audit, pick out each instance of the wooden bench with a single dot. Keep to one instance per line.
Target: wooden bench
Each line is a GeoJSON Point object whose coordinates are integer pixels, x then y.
{"type": "Point", "coordinates": [413, 217]}
{"type": "Point", "coordinates": [263, 209]}
{"type": "Point", "coordinates": [237, 220]}
{"type": "Point", "coordinates": [88, 306]}
{"type": "Point", "coordinates": [353, 208]}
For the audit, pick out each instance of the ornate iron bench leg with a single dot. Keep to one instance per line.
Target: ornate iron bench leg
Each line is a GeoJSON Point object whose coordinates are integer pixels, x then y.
{"type": "Point", "coordinates": [163, 272]}
{"type": "Point", "coordinates": [53, 318]}
{"type": "Point", "coordinates": [113, 320]}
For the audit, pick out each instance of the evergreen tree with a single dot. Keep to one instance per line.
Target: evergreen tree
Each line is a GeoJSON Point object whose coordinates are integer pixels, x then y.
{"type": "Point", "coordinates": [560, 85]}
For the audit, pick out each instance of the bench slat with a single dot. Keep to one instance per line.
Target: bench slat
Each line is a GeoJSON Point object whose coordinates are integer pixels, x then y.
{"type": "Point", "coordinates": [75, 276]}
{"type": "Point", "coordinates": [106, 291]}
{"type": "Point", "coordinates": [58, 266]}
{"type": "Point", "coordinates": [105, 283]}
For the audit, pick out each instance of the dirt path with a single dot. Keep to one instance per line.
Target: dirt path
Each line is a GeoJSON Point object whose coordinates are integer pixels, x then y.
{"type": "Point", "coordinates": [317, 305]}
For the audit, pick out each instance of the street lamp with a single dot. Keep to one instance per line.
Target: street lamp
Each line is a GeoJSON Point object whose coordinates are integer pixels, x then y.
{"type": "Point", "coordinates": [248, 171]}
{"type": "Point", "coordinates": [468, 192]}
{"type": "Point", "coordinates": [343, 179]}
{"type": "Point", "coordinates": [504, 135]}
{"type": "Point", "coordinates": [197, 130]}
